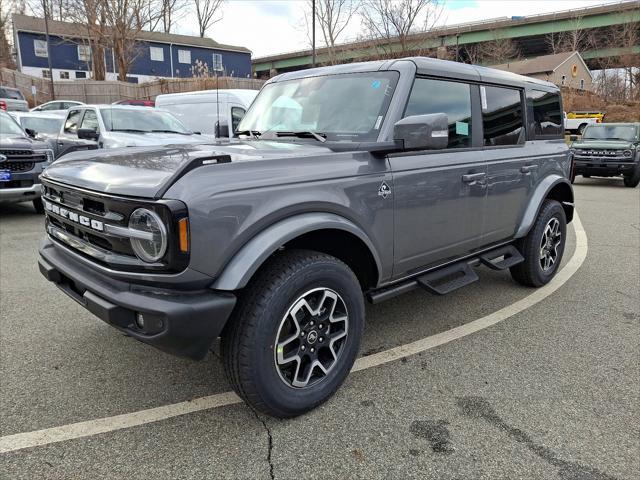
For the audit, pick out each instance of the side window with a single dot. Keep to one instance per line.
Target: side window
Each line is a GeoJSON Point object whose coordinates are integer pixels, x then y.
{"type": "Point", "coordinates": [90, 120]}
{"type": "Point", "coordinates": [236, 115]}
{"type": "Point", "coordinates": [547, 115]}
{"type": "Point", "coordinates": [71, 125]}
{"type": "Point", "coordinates": [450, 98]}
{"type": "Point", "coordinates": [51, 106]}
{"type": "Point", "coordinates": [502, 116]}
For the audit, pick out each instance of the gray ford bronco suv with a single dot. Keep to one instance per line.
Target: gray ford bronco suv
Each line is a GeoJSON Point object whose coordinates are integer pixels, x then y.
{"type": "Point", "coordinates": [346, 182]}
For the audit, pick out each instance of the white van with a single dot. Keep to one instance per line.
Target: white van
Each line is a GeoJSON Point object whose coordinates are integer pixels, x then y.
{"type": "Point", "coordinates": [199, 110]}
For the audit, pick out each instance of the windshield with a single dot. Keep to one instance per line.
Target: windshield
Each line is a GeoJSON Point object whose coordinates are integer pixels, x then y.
{"type": "Point", "coordinates": [42, 125]}
{"type": "Point", "coordinates": [9, 127]}
{"type": "Point", "coordinates": [141, 120]}
{"type": "Point", "coordinates": [344, 107]}
{"type": "Point", "coordinates": [610, 132]}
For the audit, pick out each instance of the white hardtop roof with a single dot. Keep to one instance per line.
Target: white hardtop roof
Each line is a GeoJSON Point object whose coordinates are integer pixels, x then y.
{"type": "Point", "coordinates": [243, 96]}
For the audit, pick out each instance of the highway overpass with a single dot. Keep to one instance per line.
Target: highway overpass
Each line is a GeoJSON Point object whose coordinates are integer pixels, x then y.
{"type": "Point", "coordinates": [530, 34]}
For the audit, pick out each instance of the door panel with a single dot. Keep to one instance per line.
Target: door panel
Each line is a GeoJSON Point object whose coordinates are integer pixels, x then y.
{"type": "Point", "coordinates": [438, 213]}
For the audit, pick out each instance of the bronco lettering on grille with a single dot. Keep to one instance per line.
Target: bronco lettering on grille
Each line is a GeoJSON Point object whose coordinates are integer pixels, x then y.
{"type": "Point", "coordinates": [73, 216]}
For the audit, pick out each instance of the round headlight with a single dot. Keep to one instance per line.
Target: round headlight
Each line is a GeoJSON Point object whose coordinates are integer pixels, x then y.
{"type": "Point", "coordinates": [627, 153]}
{"type": "Point", "coordinates": [149, 238]}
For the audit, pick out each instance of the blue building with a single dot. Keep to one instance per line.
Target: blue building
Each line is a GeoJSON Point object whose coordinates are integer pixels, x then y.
{"type": "Point", "coordinates": [156, 54]}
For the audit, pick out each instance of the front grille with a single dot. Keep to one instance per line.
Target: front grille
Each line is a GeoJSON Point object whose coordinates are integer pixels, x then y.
{"type": "Point", "coordinates": [605, 154]}
{"type": "Point", "coordinates": [96, 226]}
{"type": "Point", "coordinates": [28, 155]}
{"type": "Point", "coordinates": [17, 166]}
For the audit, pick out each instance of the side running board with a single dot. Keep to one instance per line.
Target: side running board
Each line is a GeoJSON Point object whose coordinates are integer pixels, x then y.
{"type": "Point", "coordinates": [448, 279]}
{"type": "Point", "coordinates": [452, 277]}
{"type": "Point", "coordinates": [502, 258]}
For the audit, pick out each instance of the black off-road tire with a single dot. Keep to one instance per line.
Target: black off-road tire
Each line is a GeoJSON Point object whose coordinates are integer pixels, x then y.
{"type": "Point", "coordinates": [531, 272]}
{"type": "Point", "coordinates": [632, 180]}
{"type": "Point", "coordinates": [586, 175]}
{"type": "Point", "coordinates": [249, 340]}
{"type": "Point", "coordinates": [38, 205]}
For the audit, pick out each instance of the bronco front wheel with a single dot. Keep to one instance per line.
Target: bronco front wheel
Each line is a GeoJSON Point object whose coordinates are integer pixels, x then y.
{"type": "Point", "coordinates": [295, 333]}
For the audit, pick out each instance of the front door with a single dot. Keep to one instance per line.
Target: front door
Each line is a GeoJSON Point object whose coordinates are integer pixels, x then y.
{"type": "Point", "coordinates": [439, 196]}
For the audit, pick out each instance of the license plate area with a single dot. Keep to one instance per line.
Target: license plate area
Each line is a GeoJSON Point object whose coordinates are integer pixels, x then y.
{"type": "Point", "coordinates": [5, 175]}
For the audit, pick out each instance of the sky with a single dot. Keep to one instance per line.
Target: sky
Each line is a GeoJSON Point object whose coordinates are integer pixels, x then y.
{"type": "Point", "coordinates": [270, 27]}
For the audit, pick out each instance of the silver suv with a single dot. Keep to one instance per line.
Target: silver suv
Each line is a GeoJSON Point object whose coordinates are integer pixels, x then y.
{"type": "Point", "coordinates": [346, 183]}
{"type": "Point", "coordinates": [12, 99]}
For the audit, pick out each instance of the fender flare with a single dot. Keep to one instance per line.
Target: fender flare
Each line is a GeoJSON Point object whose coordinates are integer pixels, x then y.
{"type": "Point", "coordinates": [239, 270]}
{"type": "Point", "coordinates": [542, 191]}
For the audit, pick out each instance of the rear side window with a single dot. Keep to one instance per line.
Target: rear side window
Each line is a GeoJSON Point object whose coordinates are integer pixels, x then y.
{"type": "Point", "coordinates": [502, 118]}
{"type": "Point", "coordinates": [451, 98]}
{"type": "Point", "coordinates": [11, 93]}
{"type": "Point", "coordinates": [547, 113]}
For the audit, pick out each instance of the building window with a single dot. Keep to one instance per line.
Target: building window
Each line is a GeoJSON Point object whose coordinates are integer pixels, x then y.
{"type": "Point", "coordinates": [452, 98]}
{"type": "Point", "coordinates": [184, 56]}
{"type": "Point", "coordinates": [502, 117]}
{"type": "Point", "coordinates": [156, 54]}
{"type": "Point", "coordinates": [64, 75]}
{"type": "Point", "coordinates": [84, 53]}
{"type": "Point", "coordinates": [46, 74]}
{"type": "Point", "coordinates": [81, 74]}
{"type": "Point", "coordinates": [582, 84]}
{"type": "Point", "coordinates": [564, 79]}
{"type": "Point", "coordinates": [217, 62]}
{"type": "Point", "coordinates": [40, 48]}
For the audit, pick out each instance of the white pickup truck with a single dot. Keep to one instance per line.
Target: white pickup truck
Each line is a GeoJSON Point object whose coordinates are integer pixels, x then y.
{"type": "Point", "coordinates": [573, 125]}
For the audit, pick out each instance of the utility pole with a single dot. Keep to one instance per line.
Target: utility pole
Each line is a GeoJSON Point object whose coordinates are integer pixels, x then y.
{"type": "Point", "coordinates": [313, 33]}
{"type": "Point", "coordinates": [46, 29]}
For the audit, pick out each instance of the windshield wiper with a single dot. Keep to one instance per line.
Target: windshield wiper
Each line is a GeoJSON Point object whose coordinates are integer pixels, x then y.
{"type": "Point", "coordinates": [131, 130]}
{"type": "Point", "coordinates": [170, 131]}
{"type": "Point", "coordinates": [253, 133]}
{"type": "Point", "coordinates": [321, 137]}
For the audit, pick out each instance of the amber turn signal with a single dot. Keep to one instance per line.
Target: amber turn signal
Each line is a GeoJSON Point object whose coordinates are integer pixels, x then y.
{"type": "Point", "coordinates": [183, 232]}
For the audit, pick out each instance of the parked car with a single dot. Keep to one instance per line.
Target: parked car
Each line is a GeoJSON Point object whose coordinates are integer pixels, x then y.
{"type": "Point", "coordinates": [136, 103]}
{"type": "Point", "coordinates": [609, 150]}
{"type": "Point", "coordinates": [200, 110]}
{"type": "Point", "coordinates": [56, 105]}
{"type": "Point", "coordinates": [90, 127]}
{"type": "Point", "coordinates": [22, 160]}
{"type": "Point", "coordinates": [45, 126]}
{"type": "Point", "coordinates": [12, 99]}
{"type": "Point", "coordinates": [577, 125]}
{"type": "Point", "coordinates": [348, 182]}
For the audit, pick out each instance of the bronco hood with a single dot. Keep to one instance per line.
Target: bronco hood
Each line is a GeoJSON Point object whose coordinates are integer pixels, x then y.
{"type": "Point", "coordinates": [149, 171]}
{"type": "Point", "coordinates": [603, 144]}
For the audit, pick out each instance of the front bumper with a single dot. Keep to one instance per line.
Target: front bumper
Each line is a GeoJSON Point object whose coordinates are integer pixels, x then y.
{"type": "Point", "coordinates": [597, 166]}
{"type": "Point", "coordinates": [183, 323]}
{"type": "Point", "coordinates": [10, 195]}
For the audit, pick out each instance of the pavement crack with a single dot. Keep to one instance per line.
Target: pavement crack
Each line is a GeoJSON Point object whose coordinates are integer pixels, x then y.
{"type": "Point", "coordinates": [270, 443]}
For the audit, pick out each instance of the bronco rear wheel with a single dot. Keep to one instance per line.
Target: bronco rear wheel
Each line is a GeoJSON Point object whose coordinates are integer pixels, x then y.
{"type": "Point", "coordinates": [543, 247]}
{"type": "Point", "coordinates": [632, 180]}
{"type": "Point", "coordinates": [295, 334]}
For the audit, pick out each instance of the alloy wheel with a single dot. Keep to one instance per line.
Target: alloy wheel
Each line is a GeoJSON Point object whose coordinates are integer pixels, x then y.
{"type": "Point", "coordinates": [551, 240]}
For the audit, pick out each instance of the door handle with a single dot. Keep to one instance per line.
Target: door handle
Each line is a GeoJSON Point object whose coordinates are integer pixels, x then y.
{"type": "Point", "coordinates": [472, 178]}
{"type": "Point", "coordinates": [529, 168]}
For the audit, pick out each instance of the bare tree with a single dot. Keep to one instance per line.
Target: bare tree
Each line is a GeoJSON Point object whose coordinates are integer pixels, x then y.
{"type": "Point", "coordinates": [576, 38]}
{"type": "Point", "coordinates": [392, 22]}
{"type": "Point", "coordinates": [626, 37]}
{"type": "Point", "coordinates": [7, 8]}
{"type": "Point", "coordinates": [499, 50]}
{"type": "Point", "coordinates": [333, 16]}
{"type": "Point", "coordinates": [208, 12]}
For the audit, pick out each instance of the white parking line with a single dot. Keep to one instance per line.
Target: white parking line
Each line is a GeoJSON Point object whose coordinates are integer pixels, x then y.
{"type": "Point", "coordinates": [19, 441]}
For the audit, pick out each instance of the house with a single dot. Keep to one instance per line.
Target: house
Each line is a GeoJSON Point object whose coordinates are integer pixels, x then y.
{"type": "Point", "coordinates": [566, 69]}
{"type": "Point", "coordinates": [157, 54]}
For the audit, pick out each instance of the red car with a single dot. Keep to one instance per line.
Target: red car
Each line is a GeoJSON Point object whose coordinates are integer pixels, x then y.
{"type": "Point", "coordinates": [137, 103]}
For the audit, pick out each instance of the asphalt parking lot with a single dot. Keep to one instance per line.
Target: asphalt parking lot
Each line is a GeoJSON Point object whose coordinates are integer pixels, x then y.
{"type": "Point", "coordinates": [550, 389]}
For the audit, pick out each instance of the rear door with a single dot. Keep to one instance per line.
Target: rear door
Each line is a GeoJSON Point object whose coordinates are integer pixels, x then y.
{"type": "Point", "coordinates": [512, 169]}
{"type": "Point", "coordinates": [440, 194]}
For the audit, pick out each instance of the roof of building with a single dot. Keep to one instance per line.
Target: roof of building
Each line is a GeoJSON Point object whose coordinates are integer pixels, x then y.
{"type": "Point", "coordinates": [542, 64]}
{"type": "Point", "coordinates": [25, 23]}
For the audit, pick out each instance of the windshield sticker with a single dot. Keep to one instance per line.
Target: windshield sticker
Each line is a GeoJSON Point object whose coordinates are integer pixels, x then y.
{"type": "Point", "coordinates": [376, 84]}
{"type": "Point", "coordinates": [378, 122]}
{"type": "Point", "coordinates": [462, 128]}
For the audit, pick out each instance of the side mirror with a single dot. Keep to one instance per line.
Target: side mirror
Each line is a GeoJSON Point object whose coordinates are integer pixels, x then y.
{"type": "Point", "coordinates": [31, 132]}
{"type": "Point", "coordinates": [573, 138]}
{"type": "Point", "coordinates": [88, 134]}
{"type": "Point", "coordinates": [222, 131]}
{"type": "Point", "coordinates": [423, 132]}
